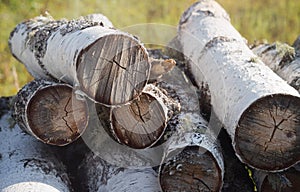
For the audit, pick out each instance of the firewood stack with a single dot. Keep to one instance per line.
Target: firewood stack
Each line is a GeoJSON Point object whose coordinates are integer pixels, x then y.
{"type": "Point", "coordinates": [97, 87]}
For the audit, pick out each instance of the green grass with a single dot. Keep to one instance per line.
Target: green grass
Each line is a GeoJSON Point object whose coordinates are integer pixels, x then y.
{"type": "Point", "coordinates": [273, 20]}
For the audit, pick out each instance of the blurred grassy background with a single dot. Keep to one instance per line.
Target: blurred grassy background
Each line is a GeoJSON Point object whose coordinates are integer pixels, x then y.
{"type": "Point", "coordinates": [273, 20]}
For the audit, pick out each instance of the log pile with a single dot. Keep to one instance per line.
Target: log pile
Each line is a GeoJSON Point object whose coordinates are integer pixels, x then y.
{"type": "Point", "coordinates": [105, 114]}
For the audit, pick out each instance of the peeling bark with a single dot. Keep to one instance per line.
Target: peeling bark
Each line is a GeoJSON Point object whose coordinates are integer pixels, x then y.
{"type": "Point", "coordinates": [51, 112]}
{"type": "Point", "coordinates": [26, 164]}
{"type": "Point", "coordinates": [108, 65]}
{"type": "Point", "coordinates": [257, 108]}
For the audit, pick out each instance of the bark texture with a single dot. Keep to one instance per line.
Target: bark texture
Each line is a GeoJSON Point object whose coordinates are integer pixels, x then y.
{"type": "Point", "coordinates": [296, 44]}
{"type": "Point", "coordinates": [257, 108]}
{"type": "Point", "coordinates": [192, 160]}
{"type": "Point", "coordinates": [51, 112]}
{"type": "Point", "coordinates": [236, 176]}
{"type": "Point", "coordinates": [282, 59]}
{"type": "Point", "coordinates": [286, 181]}
{"type": "Point", "coordinates": [26, 164]}
{"type": "Point", "coordinates": [100, 176]}
{"type": "Point", "coordinates": [109, 66]}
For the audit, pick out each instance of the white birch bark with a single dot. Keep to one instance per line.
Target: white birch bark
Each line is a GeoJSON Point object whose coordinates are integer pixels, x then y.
{"type": "Point", "coordinates": [190, 137]}
{"type": "Point", "coordinates": [108, 65]}
{"type": "Point", "coordinates": [26, 164]}
{"type": "Point", "coordinates": [243, 90]}
{"type": "Point", "coordinates": [101, 176]}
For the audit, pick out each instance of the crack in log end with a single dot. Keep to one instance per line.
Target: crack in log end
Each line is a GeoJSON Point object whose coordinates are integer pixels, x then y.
{"type": "Point", "coordinates": [267, 137]}
{"type": "Point", "coordinates": [66, 115]}
{"type": "Point", "coordinates": [140, 124]}
{"type": "Point", "coordinates": [55, 116]}
{"type": "Point", "coordinates": [116, 74]}
{"type": "Point", "coordinates": [193, 169]}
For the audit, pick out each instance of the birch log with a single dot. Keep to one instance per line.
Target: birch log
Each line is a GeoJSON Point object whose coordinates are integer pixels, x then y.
{"type": "Point", "coordinates": [26, 164]}
{"type": "Point", "coordinates": [108, 65]}
{"type": "Point", "coordinates": [281, 58]}
{"type": "Point", "coordinates": [286, 181]}
{"type": "Point", "coordinates": [258, 109]}
{"type": "Point", "coordinates": [141, 123]}
{"type": "Point", "coordinates": [51, 112]}
{"type": "Point", "coordinates": [192, 159]}
{"type": "Point", "coordinates": [100, 176]}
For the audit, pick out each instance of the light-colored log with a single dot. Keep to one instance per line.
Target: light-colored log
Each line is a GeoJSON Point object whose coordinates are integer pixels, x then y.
{"type": "Point", "coordinates": [101, 176]}
{"type": "Point", "coordinates": [192, 160]}
{"type": "Point", "coordinates": [26, 164]}
{"type": "Point", "coordinates": [258, 109]}
{"type": "Point", "coordinates": [108, 65]}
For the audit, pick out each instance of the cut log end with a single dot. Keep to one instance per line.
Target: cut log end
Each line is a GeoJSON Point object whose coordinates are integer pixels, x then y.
{"type": "Point", "coordinates": [268, 135]}
{"type": "Point", "coordinates": [114, 69]}
{"type": "Point", "coordinates": [56, 116]}
{"type": "Point", "coordinates": [194, 169]}
{"type": "Point", "coordinates": [140, 124]}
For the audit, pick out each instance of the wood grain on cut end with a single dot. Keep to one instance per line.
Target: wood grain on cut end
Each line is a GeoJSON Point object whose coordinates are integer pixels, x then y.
{"type": "Point", "coordinates": [113, 70]}
{"type": "Point", "coordinates": [140, 124]}
{"type": "Point", "coordinates": [56, 116]}
{"type": "Point", "coordinates": [268, 135]}
{"type": "Point", "coordinates": [193, 169]}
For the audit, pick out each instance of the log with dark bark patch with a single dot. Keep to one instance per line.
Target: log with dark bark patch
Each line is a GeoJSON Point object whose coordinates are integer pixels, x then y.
{"type": "Point", "coordinates": [236, 177]}
{"type": "Point", "coordinates": [25, 163]}
{"type": "Point", "coordinates": [282, 59]}
{"type": "Point", "coordinates": [259, 110]}
{"type": "Point", "coordinates": [192, 160]}
{"type": "Point", "coordinates": [51, 112]}
{"type": "Point", "coordinates": [100, 176]}
{"type": "Point", "coordinates": [108, 65]}
{"type": "Point", "coordinates": [141, 123]}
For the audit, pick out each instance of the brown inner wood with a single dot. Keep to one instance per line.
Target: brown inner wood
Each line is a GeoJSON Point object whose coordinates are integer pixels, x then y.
{"type": "Point", "coordinates": [268, 135]}
{"type": "Point", "coordinates": [141, 123]}
{"type": "Point", "coordinates": [194, 170]}
{"type": "Point", "coordinates": [56, 116]}
{"type": "Point", "coordinates": [113, 70]}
